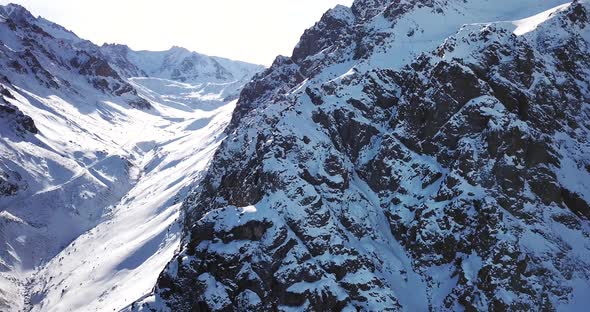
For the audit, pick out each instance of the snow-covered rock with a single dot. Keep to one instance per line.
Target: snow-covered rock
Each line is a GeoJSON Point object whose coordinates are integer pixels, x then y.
{"type": "Point", "coordinates": [411, 155]}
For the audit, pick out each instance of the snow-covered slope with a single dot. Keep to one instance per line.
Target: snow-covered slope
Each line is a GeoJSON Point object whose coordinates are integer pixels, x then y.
{"type": "Point", "coordinates": [411, 155]}
{"type": "Point", "coordinates": [94, 162]}
{"type": "Point", "coordinates": [118, 261]}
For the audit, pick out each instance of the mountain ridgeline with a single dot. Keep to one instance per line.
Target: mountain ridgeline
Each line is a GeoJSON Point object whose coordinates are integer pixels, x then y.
{"type": "Point", "coordinates": [411, 155]}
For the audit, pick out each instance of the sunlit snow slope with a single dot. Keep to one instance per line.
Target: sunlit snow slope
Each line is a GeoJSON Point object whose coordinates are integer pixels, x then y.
{"type": "Point", "coordinates": [119, 260]}
{"type": "Point", "coordinates": [138, 167]}
{"type": "Point", "coordinates": [96, 156]}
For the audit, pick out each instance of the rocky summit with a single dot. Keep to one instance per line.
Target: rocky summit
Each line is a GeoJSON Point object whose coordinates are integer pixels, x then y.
{"type": "Point", "coordinates": [414, 155]}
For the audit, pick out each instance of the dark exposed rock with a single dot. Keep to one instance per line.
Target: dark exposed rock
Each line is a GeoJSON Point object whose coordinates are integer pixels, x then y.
{"type": "Point", "coordinates": [315, 98]}
{"type": "Point", "coordinates": [331, 28]}
{"type": "Point", "coordinates": [94, 66]}
{"type": "Point", "coordinates": [140, 103]}
{"type": "Point", "coordinates": [283, 74]}
{"type": "Point", "coordinates": [575, 203]}
{"type": "Point", "coordinates": [252, 230]}
{"type": "Point", "coordinates": [353, 134]}
{"type": "Point", "coordinates": [11, 183]}
{"type": "Point", "coordinates": [6, 188]}
{"type": "Point", "coordinates": [15, 118]}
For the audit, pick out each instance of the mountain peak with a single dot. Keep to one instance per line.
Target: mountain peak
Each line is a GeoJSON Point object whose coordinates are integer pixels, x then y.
{"type": "Point", "coordinates": [16, 12]}
{"type": "Point", "coordinates": [176, 48]}
{"type": "Point", "coordinates": [341, 12]}
{"type": "Point", "coordinates": [116, 47]}
{"type": "Point", "coordinates": [366, 9]}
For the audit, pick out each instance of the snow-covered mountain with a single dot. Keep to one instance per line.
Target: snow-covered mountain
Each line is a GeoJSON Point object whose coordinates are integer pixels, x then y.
{"type": "Point", "coordinates": [179, 64]}
{"type": "Point", "coordinates": [95, 160]}
{"type": "Point", "coordinates": [413, 155]}
{"type": "Point", "coordinates": [213, 74]}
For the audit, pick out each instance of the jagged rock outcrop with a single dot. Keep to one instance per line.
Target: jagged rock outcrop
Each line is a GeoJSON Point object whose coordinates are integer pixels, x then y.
{"type": "Point", "coordinates": [451, 174]}
{"type": "Point", "coordinates": [12, 117]}
{"type": "Point", "coordinates": [9, 183]}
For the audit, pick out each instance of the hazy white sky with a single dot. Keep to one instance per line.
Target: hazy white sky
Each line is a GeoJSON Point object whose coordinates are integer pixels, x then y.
{"type": "Point", "coordinates": [249, 30]}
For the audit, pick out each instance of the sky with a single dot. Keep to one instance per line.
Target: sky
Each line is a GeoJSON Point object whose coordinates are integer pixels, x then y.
{"type": "Point", "coordinates": [249, 30]}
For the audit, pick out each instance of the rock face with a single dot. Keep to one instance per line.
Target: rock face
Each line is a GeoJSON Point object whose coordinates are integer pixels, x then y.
{"type": "Point", "coordinates": [17, 122]}
{"type": "Point", "coordinates": [402, 161]}
{"type": "Point", "coordinates": [10, 183]}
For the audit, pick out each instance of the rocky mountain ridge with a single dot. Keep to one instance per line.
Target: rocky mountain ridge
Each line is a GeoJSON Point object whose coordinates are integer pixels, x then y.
{"type": "Point", "coordinates": [410, 155]}
{"type": "Point", "coordinates": [179, 64]}
{"type": "Point", "coordinates": [55, 57]}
